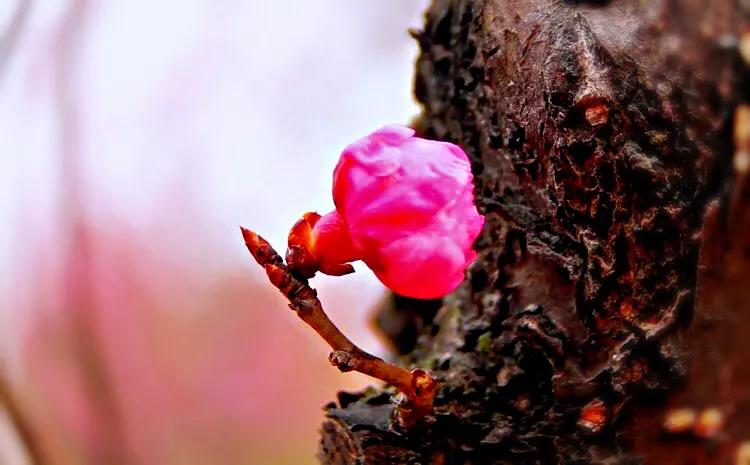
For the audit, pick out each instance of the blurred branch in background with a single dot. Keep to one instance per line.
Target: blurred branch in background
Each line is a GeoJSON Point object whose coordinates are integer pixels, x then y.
{"type": "Point", "coordinates": [12, 32]}
{"type": "Point", "coordinates": [10, 408]}
{"type": "Point", "coordinates": [77, 298]}
{"type": "Point", "coordinates": [21, 426]}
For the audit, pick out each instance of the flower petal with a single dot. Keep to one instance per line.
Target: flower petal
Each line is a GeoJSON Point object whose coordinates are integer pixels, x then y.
{"type": "Point", "coordinates": [407, 207]}
{"type": "Point", "coordinates": [422, 267]}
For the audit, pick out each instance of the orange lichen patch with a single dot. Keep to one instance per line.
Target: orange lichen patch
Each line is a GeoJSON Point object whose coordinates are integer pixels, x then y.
{"type": "Point", "coordinates": [709, 423]}
{"type": "Point", "coordinates": [522, 403]}
{"type": "Point", "coordinates": [626, 309]}
{"type": "Point", "coordinates": [680, 421]}
{"type": "Point", "coordinates": [597, 113]}
{"type": "Point", "coordinates": [594, 416]}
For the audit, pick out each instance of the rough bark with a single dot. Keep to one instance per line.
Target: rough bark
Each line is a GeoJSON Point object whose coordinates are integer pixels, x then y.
{"type": "Point", "coordinates": [612, 285]}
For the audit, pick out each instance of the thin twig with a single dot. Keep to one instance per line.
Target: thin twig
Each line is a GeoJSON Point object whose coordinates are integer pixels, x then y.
{"type": "Point", "coordinates": [9, 37]}
{"type": "Point", "coordinates": [417, 386]}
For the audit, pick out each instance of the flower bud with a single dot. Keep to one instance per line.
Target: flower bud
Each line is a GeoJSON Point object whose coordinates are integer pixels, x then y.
{"type": "Point", "coordinates": [405, 206]}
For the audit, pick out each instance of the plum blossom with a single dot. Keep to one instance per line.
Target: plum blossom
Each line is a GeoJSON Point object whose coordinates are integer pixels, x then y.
{"type": "Point", "coordinates": [404, 206]}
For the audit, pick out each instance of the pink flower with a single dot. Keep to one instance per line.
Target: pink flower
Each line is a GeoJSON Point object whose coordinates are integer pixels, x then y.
{"type": "Point", "coordinates": [404, 205]}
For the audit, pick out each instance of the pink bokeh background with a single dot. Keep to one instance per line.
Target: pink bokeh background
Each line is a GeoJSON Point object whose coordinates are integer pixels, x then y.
{"type": "Point", "coordinates": [135, 137]}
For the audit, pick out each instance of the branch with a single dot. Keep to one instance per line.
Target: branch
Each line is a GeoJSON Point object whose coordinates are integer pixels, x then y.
{"type": "Point", "coordinates": [20, 424]}
{"type": "Point", "coordinates": [418, 386]}
{"type": "Point", "coordinates": [9, 37]}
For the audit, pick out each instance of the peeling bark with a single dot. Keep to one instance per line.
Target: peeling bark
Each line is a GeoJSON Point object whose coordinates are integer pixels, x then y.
{"type": "Point", "coordinates": [612, 281]}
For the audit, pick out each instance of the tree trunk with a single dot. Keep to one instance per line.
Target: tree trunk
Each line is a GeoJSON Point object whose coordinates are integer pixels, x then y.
{"type": "Point", "coordinates": [606, 316]}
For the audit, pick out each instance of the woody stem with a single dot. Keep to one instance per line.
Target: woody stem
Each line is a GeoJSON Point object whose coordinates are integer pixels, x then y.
{"type": "Point", "coordinates": [418, 386]}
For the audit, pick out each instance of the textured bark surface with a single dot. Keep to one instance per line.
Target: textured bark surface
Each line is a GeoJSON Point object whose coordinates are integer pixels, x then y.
{"type": "Point", "coordinates": [612, 285]}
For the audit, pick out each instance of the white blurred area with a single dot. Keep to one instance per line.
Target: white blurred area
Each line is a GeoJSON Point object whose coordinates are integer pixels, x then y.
{"type": "Point", "coordinates": [170, 123]}
{"type": "Point", "coordinates": [218, 112]}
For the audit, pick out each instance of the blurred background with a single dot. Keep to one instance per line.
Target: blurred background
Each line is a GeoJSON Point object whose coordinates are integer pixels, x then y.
{"type": "Point", "coordinates": [135, 137]}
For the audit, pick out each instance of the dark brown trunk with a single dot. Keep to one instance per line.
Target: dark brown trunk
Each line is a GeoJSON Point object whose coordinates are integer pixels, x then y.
{"type": "Point", "coordinates": [605, 319]}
